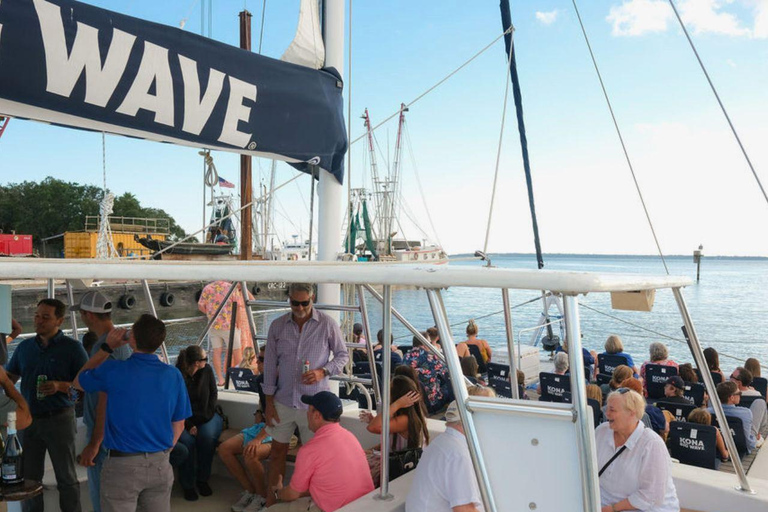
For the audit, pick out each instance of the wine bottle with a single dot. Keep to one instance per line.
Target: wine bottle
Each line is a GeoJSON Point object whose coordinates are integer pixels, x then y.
{"type": "Point", "coordinates": [12, 471]}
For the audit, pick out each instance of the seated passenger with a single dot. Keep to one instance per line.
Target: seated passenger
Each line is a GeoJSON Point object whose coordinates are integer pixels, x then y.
{"type": "Point", "coordinates": [743, 380]}
{"type": "Point", "coordinates": [331, 469]}
{"type": "Point", "coordinates": [470, 370]}
{"type": "Point", "coordinates": [254, 445]}
{"type": "Point", "coordinates": [730, 395]}
{"type": "Point", "coordinates": [433, 375]}
{"type": "Point", "coordinates": [620, 374]}
{"type": "Point", "coordinates": [407, 424]}
{"type": "Point", "coordinates": [472, 339]}
{"type": "Point", "coordinates": [203, 428]}
{"type": "Point", "coordinates": [641, 477]}
{"type": "Point", "coordinates": [433, 336]}
{"type": "Point", "coordinates": [445, 478]}
{"type": "Point", "coordinates": [357, 335]}
{"type": "Point", "coordinates": [587, 356]}
{"type": "Point", "coordinates": [614, 346]}
{"type": "Point", "coordinates": [521, 385]}
{"type": "Point", "coordinates": [395, 356]}
{"type": "Point", "coordinates": [673, 391]}
{"type": "Point", "coordinates": [685, 372]}
{"type": "Point", "coordinates": [753, 365]}
{"type": "Point", "coordinates": [480, 390]}
{"type": "Point", "coordinates": [659, 354]}
{"type": "Point", "coordinates": [713, 361]}
{"type": "Point", "coordinates": [249, 360]}
{"type": "Point", "coordinates": [701, 416]}
{"type": "Point", "coordinates": [654, 418]}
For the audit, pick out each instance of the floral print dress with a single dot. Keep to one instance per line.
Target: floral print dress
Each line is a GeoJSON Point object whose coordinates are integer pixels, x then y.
{"type": "Point", "coordinates": [433, 376]}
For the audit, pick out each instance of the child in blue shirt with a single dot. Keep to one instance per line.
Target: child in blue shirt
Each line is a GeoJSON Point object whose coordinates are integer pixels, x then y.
{"type": "Point", "coordinates": [253, 444]}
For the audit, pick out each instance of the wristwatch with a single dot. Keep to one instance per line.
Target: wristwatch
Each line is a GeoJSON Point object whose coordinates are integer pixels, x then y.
{"type": "Point", "coordinates": [326, 372]}
{"type": "Point", "coordinates": [106, 348]}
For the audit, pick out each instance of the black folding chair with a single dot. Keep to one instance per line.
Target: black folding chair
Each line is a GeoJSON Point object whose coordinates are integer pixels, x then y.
{"type": "Point", "coordinates": [656, 376]}
{"type": "Point", "coordinates": [694, 393]}
{"type": "Point", "coordinates": [716, 377]}
{"type": "Point", "coordinates": [498, 379]}
{"type": "Point", "coordinates": [693, 444]}
{"type": "Point", "coordinates": [761, 384]}
{"type": "Point", "coordinates": [679, 411]}
{"type": "Point", "coordinates": [607, 363]}
{"type": "Point", "coordinates": [747, 401]}
{"type": "Point", "coordinates": [737, 431]}
{"type": "Point", "coordinates": [553, 386]}
{"type": "Point", "coordinates": [475, 351]}
{"type": "Point", "coordinates": [242, 379]}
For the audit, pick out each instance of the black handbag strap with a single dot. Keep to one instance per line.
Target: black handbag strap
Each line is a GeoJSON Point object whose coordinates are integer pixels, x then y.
{"type": "Point", "coordinates": [615, 456]}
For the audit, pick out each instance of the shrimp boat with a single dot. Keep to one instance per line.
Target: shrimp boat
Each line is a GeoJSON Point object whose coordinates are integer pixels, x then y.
{"type": "Point", "coordinates": [140, 100]}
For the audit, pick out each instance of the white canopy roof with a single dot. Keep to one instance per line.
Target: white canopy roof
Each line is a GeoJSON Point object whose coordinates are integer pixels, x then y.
{"type": "Point", "coordinates": [426, 276]}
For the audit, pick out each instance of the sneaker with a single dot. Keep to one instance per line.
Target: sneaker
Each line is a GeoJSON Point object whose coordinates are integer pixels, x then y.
{"type": "Point", "coordinates": [256, 505]}
{"type": "Point", "coordinates": [204, 489]}
{"type": "Point", "coordinates": [760, 442]}
{"type": "Point", "coordinates": [190, 494]}
{"type": "Point", "coordinates": [244, 501]}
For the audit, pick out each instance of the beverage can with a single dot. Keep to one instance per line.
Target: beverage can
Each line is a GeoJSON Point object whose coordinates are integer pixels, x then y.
{"type": "Point", "coordinates": [41, 379]}
{"type": "Point", "coordinates": [305, 368]}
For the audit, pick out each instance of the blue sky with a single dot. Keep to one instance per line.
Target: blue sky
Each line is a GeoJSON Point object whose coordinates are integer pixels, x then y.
{"type": "Point", "coordinates": [695, 182]}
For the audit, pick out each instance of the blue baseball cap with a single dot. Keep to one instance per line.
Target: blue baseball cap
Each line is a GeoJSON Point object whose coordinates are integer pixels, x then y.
{"type": "Point", "coordinates": [326, 403]}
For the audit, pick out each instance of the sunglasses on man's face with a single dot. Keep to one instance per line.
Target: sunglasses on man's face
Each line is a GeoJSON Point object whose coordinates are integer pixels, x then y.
{"type": "Point", "coordinates": [302, 303]}
{"type": "Point", "coordinates": [260, 359]}
{"type": "Point", "coordinates": [203, 359]}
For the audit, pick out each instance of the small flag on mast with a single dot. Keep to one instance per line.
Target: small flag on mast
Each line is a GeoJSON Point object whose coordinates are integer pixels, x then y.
{"type": "Point", "coordinates": [225, 184]}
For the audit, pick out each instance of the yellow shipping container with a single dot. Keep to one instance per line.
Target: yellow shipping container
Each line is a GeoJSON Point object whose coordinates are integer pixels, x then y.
{"type": "Point", "coordinates": [83, 244]}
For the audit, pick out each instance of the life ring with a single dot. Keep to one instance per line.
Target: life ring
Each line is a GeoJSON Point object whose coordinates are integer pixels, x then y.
{"type": "Point", "coordinates": [167, 299]}
{"type": "Point", "coordinates": [256, 290]}
{"type": "Point", "coordinates": [294, 257]}
{"type": "Point", "coordinates": [198, 294]}
{"type": "Point", "coordinates": [127, 301]}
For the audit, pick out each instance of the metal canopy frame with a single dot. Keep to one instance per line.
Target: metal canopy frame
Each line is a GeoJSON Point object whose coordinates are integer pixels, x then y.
{"type": "Point", "coordinates": [433, 280]}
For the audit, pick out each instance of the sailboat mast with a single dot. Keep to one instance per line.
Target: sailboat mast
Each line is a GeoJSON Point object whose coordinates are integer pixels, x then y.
{"type": "Point", "coordinates": [395, 178]}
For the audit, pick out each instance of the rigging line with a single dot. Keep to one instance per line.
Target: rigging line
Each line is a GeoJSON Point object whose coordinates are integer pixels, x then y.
{"type": "Point", "coordinates": [621, 138]}
{"type": "Point", "coordinates": [717, 96]}
{"type": "Point", "coordinates": [498, 150]}
{"type": "Point", "coordinates": [261, 30]}
{"type": "Point", "coordinates": [349, 114]}
{"type": "Point", "coordinates": [104, 161]}
{"type": "Point", "coordinates": [418, 182]}
{"type": "Point", "coordinates": [438, 84]}
{"type": "Point", "coordinates": [642, 328]}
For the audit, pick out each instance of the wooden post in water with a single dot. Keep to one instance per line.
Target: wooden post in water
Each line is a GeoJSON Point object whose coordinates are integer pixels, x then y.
{"type": "Point", "coordinates": [697, 255]}
{"type": "Point", "coordinates": [246, 192]}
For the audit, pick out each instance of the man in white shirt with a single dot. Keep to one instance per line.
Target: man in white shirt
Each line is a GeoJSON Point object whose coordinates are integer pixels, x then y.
{"type": "Point", "coordinates": [743, 380]}
{"type": "Point", "coordinates": [445, 480]}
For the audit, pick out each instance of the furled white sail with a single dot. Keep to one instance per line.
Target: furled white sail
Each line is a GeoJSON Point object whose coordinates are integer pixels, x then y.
{"type": "Point", "coordinates": [307, 48]}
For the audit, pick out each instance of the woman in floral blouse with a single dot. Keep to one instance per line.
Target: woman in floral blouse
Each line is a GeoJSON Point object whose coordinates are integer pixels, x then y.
{"type": "Point", "coordinates": [433, 375]}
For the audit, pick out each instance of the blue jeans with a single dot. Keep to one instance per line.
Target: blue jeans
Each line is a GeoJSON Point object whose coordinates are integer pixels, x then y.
{"type": "Point", "coordinates": [202, 447]}
{"type": "Point", "coordinates": [94, 476]}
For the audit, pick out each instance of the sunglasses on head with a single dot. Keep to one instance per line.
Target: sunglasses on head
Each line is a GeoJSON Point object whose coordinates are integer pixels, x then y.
{"type": "Point", "coordinates": [623, 391]}
{"type": "Point", "coordinates": [302, 303]}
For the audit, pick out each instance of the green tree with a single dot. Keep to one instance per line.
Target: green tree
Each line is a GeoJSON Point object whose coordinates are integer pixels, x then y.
{"type": "Point", "coordinates": [53, 206]}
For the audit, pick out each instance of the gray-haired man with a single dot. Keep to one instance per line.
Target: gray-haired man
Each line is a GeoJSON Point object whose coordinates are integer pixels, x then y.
{"type": "Point", "coordinates": [306, 347]}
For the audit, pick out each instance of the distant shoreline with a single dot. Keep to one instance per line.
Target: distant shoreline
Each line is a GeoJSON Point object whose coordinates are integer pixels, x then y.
{"type": "Point", "coordinates": [624, 256]}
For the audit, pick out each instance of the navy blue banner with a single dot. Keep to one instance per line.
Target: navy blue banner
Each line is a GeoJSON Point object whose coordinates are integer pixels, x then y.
{"type": "Point", "coordinates": [73, 64]}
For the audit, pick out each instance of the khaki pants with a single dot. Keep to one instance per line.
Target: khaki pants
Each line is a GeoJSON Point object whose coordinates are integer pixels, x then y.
{"type": "Point", "coordinates": [137, 483]}
{"type": "Point", "coordinates": [300, 505]}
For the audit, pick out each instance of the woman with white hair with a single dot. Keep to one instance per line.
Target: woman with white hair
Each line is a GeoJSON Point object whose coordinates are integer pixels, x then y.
{"type": "Point", "coordinates": [658, 355]}
{"type": "Point", "coordinates": [635, 468]}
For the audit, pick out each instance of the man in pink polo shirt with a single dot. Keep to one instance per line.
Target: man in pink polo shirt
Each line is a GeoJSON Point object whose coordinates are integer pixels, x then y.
{"type": "Point", "coordinates": [331, 469]}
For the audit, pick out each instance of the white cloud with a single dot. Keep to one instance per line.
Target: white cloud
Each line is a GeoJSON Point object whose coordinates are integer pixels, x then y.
{"type": "Point", "coordinates": [637, 17]}
{"type": "Point", "coordinates": [547, 18]}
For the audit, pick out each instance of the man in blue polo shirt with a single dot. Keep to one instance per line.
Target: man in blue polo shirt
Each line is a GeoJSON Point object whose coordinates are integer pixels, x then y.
{"type": "Point", "coordinates": [58, 358]}
{"type": "Point", "coordinates": [147, 404]}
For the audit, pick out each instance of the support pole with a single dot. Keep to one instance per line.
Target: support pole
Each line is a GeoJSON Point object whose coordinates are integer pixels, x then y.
{"type": "Point", "coordinates": [460, 392]}
{"type": "Point", "coordinates": [248, 313]}
{"type": "Point", "coordinates": [714, 400]}
{"type": "Point", "coordinates": [51, 292]}
{"type": "Point", "coordinates": [330, 191]}
{"type": "Point", "coordinates": [369, 345]}
{"type": "Point", "coordinates": [510, 343]}
{"type": "Point", "coordinates": [246, 191]}
{"type": "Point", "coordinates": [386, 361]}
{"type": "Point", "coordinates": [72, 314]}
{"type": "Point", "coordinates": [230, 343]}
{"type": "Point", "coordinates": [585, 429]}
{"type": "Point", "coordinates": [153, 312]}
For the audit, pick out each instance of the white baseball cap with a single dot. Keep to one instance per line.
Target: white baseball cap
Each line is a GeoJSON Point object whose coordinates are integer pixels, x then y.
{"type": "Point", "coordinates": [95, 302]}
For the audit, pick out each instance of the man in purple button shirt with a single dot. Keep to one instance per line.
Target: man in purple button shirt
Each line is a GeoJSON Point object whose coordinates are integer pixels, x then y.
{"type": "Point", "coordinates": [305, 335]}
